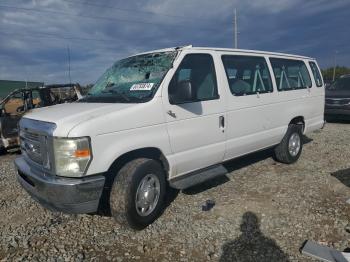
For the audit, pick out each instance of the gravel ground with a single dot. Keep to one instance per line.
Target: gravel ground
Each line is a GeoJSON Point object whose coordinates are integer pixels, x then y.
{"type": "Point", "coordinates": [264, 212]}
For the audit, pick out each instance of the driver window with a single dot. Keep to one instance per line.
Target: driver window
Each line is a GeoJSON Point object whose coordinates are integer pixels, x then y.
{"type": "Point", "coordinates": [15, 105]}
{"type": "Point", "coordinates": [199, 70]}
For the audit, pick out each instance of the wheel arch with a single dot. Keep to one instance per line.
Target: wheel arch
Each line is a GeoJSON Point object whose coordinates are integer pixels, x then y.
{"type": "Point", "coordinates": [298, 120]}
{"type": "Point", "coordinates": [146, 152]}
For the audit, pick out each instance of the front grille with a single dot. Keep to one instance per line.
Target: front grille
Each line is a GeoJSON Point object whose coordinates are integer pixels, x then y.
{"type": "Point", "coordinates": [32, 145]}
{"type": "Point", "coordinates": [338, 101]}
{"type": "Point", "coordinates": [36, 142]}
{"type": "Point", "coordinates": [31, 135]}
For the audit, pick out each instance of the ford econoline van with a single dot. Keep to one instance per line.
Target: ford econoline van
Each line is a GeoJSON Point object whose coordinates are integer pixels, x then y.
{"type": "Point", "coordinates": [166, 118]}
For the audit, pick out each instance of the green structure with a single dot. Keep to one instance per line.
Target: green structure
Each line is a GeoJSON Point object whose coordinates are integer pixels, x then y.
{"type": "Point", "coordinates": [7, 86]}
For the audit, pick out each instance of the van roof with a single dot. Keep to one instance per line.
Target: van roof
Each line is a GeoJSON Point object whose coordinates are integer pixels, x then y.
{"type": "Point", "coordinates": [227, 50]}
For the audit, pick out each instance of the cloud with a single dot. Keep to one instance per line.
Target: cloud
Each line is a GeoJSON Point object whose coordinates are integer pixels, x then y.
{"type": "Point", "coordinates": [99, 33]}
{"type": "Point", "coordinates": [272, 6]}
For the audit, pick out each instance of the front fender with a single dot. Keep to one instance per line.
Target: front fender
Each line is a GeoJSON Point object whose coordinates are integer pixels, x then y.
{"type": "Point", "coordinates": [109, 147]}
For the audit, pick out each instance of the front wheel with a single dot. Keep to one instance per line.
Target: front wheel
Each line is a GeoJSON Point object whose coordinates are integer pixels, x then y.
{"type": "Point", "coordinates": [289, 150]}
{"type": "Point", "coordinates": [3, 150]}
{"type": "Point", "coordinates": [137, 196]}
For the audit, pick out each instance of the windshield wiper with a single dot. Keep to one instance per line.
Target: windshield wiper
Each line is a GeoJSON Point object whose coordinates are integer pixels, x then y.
{"type": "Point", "coordinates": [113, 91]}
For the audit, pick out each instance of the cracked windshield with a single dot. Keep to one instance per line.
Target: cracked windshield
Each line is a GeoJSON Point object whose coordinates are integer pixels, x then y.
{"type": "Point", "coordinates": [132, 80]}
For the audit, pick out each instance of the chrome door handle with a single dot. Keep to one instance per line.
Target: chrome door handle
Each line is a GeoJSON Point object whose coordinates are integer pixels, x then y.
{"type": "Point", "coordinates": [222, 123]}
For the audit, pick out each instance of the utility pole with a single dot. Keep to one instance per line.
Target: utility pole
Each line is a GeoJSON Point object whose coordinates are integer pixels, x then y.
{"type": "Point", "coordinates": [335, 63]}
{"type": "Point", "coordinates": [235, 32]}
{"type": "Point", "coordinates": [68, 52]}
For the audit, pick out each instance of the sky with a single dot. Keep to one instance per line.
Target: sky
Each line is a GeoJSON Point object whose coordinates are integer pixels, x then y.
{"type": "Point", "coordinates": [37, 36]}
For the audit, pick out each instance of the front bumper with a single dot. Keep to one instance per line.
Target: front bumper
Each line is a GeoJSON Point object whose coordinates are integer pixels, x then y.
{"type": "Point", "coordinates": [69, 195]}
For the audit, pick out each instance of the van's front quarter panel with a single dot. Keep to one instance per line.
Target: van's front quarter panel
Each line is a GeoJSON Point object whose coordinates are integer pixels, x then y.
{"type": "Point", "coordinates": [117, 133]}
{"type": "Point", "coordinates": [109, 147]}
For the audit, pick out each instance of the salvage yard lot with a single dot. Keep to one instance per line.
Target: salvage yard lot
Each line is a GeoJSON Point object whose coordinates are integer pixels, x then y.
{"type": "Point", "coordinates": [264, 212]}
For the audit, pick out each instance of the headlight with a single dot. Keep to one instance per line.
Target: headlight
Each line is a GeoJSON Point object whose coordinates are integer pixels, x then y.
{"type": "Point", "coordinates": [72, 156]}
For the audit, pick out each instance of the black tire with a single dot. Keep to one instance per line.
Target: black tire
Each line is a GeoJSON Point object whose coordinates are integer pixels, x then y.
{"type": "Point", "coordinates": [123, 193]}
{"type": "Point", "coordinates": [282, 152]}
{"type": "Point", "coordinates": [3, 151]}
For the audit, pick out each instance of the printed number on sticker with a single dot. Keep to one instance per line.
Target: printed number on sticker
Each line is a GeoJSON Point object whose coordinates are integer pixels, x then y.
{"type": "Point", "coordinates": [141, 86]}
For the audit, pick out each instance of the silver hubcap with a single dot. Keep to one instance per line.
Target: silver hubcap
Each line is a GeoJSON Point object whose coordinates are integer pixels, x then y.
{"type": "Point", "coordinates": [294, 144]}
{"type": "Point", "coordinates": [147, 195]}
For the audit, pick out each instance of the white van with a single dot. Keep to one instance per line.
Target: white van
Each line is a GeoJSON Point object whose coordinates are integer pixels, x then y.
{"type": "Point", "coordinates": [165, 118]}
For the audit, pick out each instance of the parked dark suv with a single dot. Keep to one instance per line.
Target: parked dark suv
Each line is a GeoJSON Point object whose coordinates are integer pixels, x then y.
{"type": "Point", "coordinates": [338, 98]}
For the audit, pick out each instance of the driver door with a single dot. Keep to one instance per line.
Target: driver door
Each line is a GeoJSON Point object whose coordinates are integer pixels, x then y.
{"type": "Point", "coordinates": [195, 126]}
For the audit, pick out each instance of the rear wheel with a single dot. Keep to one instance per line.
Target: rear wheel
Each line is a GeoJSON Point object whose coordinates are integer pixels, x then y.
{"type": "Point", "coordinates": [290, 148]}
{"type": "Point", "coordinates": [137, 196]}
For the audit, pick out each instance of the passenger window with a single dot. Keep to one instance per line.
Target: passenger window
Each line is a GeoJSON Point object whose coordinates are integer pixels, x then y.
{"type": "Point", "coordinates": [36, 99]}
{"type": "Point", "coordinates": [316, 73]}
{"type": "Point", "coordinates": [290, 74]}
{"type": "Point", "coordinates": [198, 71]}
{"type": "Point", "coordinates": [251, 74]}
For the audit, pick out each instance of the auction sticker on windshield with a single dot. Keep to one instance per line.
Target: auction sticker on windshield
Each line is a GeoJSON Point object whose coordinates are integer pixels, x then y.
{"type": "Point", "coordinates": [141, 87]}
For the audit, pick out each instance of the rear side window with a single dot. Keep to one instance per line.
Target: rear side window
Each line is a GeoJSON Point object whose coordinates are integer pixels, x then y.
{"type": "Point", "coordinates": [290, 74]}
{"type": "Point", "coordinates": [199, 70]}
{"type": "Point", "coordinates": [316, 73]}
{"type": "Point", "coordinates": [247, 75]}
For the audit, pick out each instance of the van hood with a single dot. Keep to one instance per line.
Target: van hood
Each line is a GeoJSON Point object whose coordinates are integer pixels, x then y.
{"type": "Point", "coordinates": [67, 116]}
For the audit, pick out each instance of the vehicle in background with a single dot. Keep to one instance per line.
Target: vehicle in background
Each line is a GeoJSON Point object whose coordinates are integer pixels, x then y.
{"type": "Point", "coordinates": [338, 98]}
{"type": "Point", "coordinates": [165, 118]}
{"type": "Point", "coordinates": [21, 101]}
{"type": "Point", "coordinates": [8, 86]}
{"type": "Point", "coordinates": [328, 83]}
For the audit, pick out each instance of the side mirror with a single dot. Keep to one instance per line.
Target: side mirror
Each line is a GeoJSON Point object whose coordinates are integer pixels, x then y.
{"type": "Point", "coordinates": [181, 93]}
